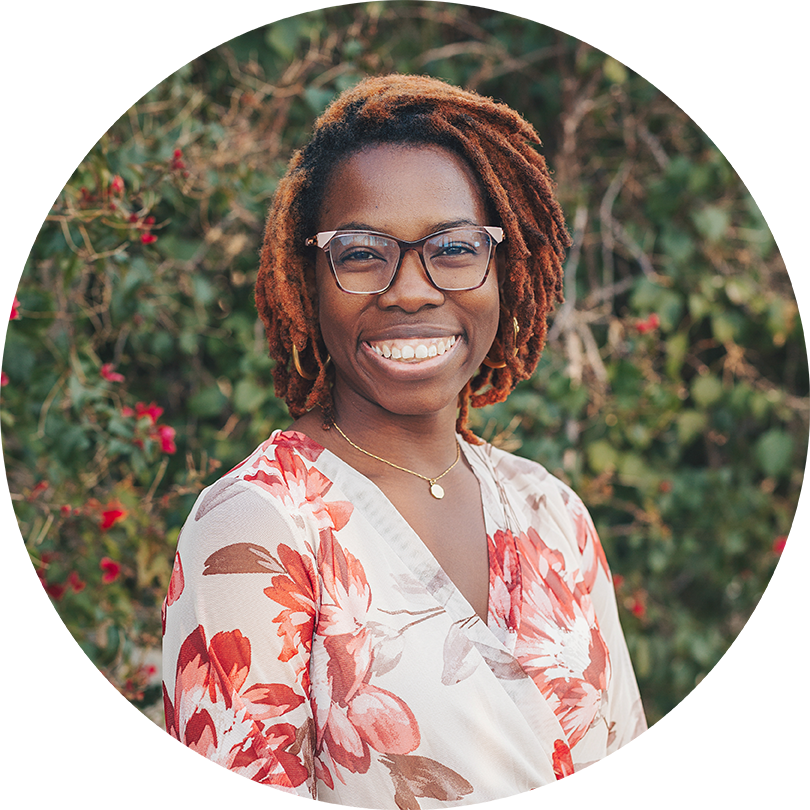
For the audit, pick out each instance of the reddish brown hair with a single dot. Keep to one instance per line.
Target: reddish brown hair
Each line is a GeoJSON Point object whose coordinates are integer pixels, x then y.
{"type": "Point", "coordinates": [498, 144]}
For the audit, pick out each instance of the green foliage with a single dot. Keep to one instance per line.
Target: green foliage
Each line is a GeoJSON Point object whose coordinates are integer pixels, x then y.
{"type": "Point", "coordinates": [673, 394]}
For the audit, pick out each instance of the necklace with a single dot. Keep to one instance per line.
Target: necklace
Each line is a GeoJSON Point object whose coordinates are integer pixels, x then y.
{"type": "Point", "coordinates": [436, 490]}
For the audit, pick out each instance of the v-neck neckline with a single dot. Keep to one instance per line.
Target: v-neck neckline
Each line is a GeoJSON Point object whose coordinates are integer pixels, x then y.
{"type": "Point", "coordinates": [366, 496]}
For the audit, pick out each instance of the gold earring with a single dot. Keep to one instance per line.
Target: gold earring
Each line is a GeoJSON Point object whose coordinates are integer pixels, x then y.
{"type": "Point", "coordinates": [502, 364]}
{"type": "Point", "coordinates": [296, 358]}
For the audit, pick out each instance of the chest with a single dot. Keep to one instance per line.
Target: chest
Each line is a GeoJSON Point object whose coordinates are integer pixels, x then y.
{"type": "Point", "coordinates": [452, 528]}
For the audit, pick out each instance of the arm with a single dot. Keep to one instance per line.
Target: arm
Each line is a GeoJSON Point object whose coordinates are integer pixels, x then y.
{"type": "Point", "coordinates": [238, 629]}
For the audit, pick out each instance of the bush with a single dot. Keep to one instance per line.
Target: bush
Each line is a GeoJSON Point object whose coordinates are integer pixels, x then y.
{"type": "Point", "coordinates": [673, 395]}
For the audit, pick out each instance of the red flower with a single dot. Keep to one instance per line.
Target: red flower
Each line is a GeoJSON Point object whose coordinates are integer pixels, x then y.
{"type": "Point", "coordinates": [8, 307]}
{"type": "Point", "coordinates": [779, 544]}
{"type": "Point", "coordinates": [165, 435]}
{"type": "Point", "coordinates": [652, 323]}
{"type": "Point", "coordinates": [3, 378]}
{"type": "Point", "coordinates": [618, 581]}
{"type": "Point", "coordinates": [148, 238]}
{"type": "Point", "coordinates": [638, 606]}
{"type": "Point", "coordinates": [176, 161]}
{"type": "Point", "coordinates": [15, 309]}
{"type": "Point", "coordinates": [149, 221]}
{"type": "Point", "coordinates": [111, 514]}
{"type": "Point", "coordinates": [65, 510]}
{"type": "Point", "coordinates": [55, 589]}
{"type": "Point", "coordinates": [133, 217]}
{"type": "Point", "coordinates": [40, 487]}
{"type": "Point", "coordinates": [111, 570]}
{"type": "Point", "coordinates": [108, 373]}
{"type": "Point", "coordinates": [75, 582]}
{"type": "Point", "coordinates": [117, 185]}
{"type": "Point", "coordinates": [152, 410]}
{"type": "Point", "coordinates": [127, 411]}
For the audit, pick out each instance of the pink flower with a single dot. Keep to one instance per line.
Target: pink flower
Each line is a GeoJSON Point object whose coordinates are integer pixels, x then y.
{"type": "Point", "coordinates": [148, 238]}
{"type": "Point", "coordinates": [109, 374]}
{"type": "Point", "coordinates": [3, 378]}
{"type": "Point", "coordinates": [651, 324]}
{"type": "Point", "coordinates": [117, 185]}
{"type": "Point", "coordinates": [15, 310]}
{"type": "Point", "coordinates": [111, 514]}
{"type": "Point", "coordinates": [8, 307]}
{"type": "Point", "coordinates": [76, 582]}
{"type": "Point", "coordinates": [779, 544]}
{"type": "Point", "coordinates": [111, 570]}
{"type": "Point", "coordinates": [152, 410]}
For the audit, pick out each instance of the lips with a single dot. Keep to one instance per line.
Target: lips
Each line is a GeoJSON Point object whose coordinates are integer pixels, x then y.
{"type": "Point", "coordinates": [413, 350]}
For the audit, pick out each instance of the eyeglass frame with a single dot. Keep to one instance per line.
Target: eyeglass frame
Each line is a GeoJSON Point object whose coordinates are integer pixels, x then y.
{"type": "Point", "coordinates": [323, 238]}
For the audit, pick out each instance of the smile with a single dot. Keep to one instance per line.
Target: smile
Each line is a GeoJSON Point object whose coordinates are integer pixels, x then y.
{"type": "Point", "coordinates": [413, 350]}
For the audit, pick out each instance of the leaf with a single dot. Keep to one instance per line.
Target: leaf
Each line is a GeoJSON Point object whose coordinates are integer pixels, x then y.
{"type": "Point", "coordinates": [774, 452]}
{"type": "Point", "coordinates": [420, 776]}
{"type": "Point", "coordinates": [242, 558]}
{"type": "Point", "coordinates": [457, 662]}
{"type": "Point", "coordinates": [706, 390]}
{"type": "Point", "coordinates": [220, 492]}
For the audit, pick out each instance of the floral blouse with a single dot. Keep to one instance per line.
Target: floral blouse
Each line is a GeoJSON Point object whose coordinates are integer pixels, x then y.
{"type": "Point", "coordinates": [313, 643]}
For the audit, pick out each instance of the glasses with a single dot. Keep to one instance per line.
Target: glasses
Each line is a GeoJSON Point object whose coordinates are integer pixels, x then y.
{"type": "Point", "coordinates": [367, 262]}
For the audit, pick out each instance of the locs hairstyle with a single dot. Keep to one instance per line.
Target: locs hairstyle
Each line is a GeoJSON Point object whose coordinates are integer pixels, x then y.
{"type": "Point", "coordinates": [499, 145]}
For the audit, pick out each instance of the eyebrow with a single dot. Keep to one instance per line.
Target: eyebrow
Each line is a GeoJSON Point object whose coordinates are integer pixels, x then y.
{"type": "Point", "coordinates": [436, 226]}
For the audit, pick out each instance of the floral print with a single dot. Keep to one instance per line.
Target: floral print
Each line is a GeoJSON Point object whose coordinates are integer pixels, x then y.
{"type": "Point", "coordinates": [313, 643]}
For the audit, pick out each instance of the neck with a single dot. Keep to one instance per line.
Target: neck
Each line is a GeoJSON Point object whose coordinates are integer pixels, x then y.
{"type": "Point", "coordinates": [417, 439]}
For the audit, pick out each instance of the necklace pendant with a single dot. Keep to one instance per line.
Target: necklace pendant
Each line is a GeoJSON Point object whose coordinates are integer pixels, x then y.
{"type": "Point", "coordinates": [436, 491]}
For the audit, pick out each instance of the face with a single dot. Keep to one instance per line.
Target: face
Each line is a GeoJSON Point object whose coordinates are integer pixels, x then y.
{"type": "Point", "coordinates": [407, 192]}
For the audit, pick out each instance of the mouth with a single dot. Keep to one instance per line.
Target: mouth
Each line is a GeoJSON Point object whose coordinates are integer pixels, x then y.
{"type": "Point", "coordinates": [413, 350]}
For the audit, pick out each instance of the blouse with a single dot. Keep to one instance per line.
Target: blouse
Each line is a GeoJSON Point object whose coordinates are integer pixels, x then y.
{"type": "Point", "coordinates": [313, 643]}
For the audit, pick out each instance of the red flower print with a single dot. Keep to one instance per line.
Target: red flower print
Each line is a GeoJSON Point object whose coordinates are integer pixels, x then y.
{"type": "Point", "coordinates": [177, 581]}
{"type": "Point", "coordinates": [559, 644]}
{"type": "Point", "coordinates": [111, 570]}
{"type": "Point", "coordinates": [352, 716]}
{"type": "Point", "coordinates": [165, 436]}
{"type": "Point", "coordinates": [590, 547]}
{"type": "Point", "coordinates": [112, 513]}
{"type": "Point", "coordinates": [109, 373]}
{"type": "Point", "coordinates": [152, 410]}
{"type": "Point", "coordinates": [15, 310]}
{"type": "Point", "coordinates": [217, 715]}
{"type": "Point", "coordinates": [562, 760]}
{"type": "Point", "coordinates": [504, 582]}
{"type": "Point", "coordinates": [779, 544]}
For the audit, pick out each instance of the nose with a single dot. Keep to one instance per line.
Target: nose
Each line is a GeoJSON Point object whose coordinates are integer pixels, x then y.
{"type": "Point", "coordinates": [411, 289]}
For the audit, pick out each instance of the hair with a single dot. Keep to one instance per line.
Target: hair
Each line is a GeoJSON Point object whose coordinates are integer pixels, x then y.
{"type": "Point", "coordinates": [499, 145]}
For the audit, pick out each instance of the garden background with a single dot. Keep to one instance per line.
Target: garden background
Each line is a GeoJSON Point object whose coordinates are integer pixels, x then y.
{"type": "Point", "coordinates": [740, 738]}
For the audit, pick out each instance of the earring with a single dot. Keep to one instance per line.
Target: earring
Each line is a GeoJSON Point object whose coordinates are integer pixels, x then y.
{"type": "Point", "coordinates": [502, 364]}
{"type": "Point", "coordinates": [296, 358]}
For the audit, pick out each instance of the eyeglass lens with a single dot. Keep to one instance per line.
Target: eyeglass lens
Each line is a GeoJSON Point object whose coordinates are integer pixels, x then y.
{"type": "Point", "coordinates": [456, 259]}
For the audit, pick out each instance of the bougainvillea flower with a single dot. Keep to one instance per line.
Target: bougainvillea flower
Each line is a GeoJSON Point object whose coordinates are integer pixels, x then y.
{"type": "Point", "coordinates": [8, 307]}
{"type": "Point", "coordinates": [165, 435]}
{"type": "Point", "coordinates": [152, 410]}
{"type": "Point", "coordinates": [108, 373]}
{"type": "Point", "coordinates": [75, 582]}
{"type": "Point", "coordinates": [649, 325]}
{"type": "Point", "coordinates": [15, 309]}
{"type": "Point", "coordinates": [111, 569]}
{"type": "Point", "coordinates": [111, 514]}
{"type": "Point", "coordinates": [148, 238]}
{"type": "Point", "coordinates": [117, 185]}
{"type": "Point", "coordinates": [56, 590]}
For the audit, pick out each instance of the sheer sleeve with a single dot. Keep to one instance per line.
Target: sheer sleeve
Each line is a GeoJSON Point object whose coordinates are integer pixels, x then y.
{"type": "Point", "coordinates": [238, 623]}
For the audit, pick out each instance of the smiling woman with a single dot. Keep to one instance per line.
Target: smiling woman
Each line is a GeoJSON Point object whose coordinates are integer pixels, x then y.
{"type": "Point", "coordinates": [376, 608]}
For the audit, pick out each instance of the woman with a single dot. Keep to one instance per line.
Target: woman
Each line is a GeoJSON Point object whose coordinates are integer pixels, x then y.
{"type": "Point", "coordinates": [376, 608]}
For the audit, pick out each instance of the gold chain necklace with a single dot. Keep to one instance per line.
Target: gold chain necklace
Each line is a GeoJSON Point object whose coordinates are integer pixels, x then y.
{"type": "Point", "coordinates": [436, 490]}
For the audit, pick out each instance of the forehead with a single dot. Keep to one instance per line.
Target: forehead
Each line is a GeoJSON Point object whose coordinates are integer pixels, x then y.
{"type": "Point", "coordinates": [404, 190]}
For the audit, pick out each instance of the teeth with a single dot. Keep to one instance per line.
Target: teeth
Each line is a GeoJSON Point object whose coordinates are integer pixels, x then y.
{"type": "Point", "coordinates": [414, 350]}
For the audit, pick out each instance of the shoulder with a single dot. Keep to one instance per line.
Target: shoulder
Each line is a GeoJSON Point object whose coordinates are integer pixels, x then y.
{"type": "Point", "coordinates": [545, 500]}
